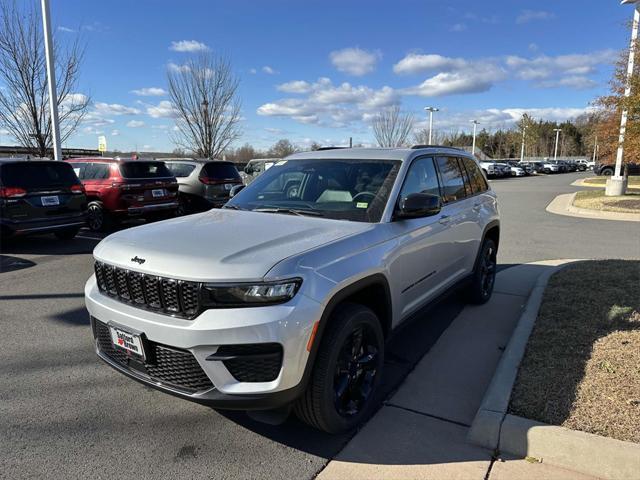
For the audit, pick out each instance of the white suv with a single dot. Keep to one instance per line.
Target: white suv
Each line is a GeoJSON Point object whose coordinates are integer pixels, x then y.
{"type": "Point", "coordinates": [287, 294]}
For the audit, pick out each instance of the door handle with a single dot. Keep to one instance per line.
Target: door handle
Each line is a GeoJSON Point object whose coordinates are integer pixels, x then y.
{"type": "Point", "coordinates": [444, 219]}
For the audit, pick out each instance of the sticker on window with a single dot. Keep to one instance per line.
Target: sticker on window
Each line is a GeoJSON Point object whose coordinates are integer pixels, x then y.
{"type": "Point", "coordinates": [362, 205]}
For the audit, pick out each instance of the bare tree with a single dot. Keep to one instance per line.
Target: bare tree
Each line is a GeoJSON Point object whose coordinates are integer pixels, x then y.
{"type": "Point", "coordinates": [24, 100]}
{"type": "Point", "coordinates": [204, 94]}
{"type": "Point", "coordinates": [282, 148]}
{"type": "Point", "coordinates": [391, 127]}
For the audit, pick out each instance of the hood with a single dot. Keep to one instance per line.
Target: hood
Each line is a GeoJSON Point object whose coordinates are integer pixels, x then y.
{"type": "Point", "coordinates": [220, 245]}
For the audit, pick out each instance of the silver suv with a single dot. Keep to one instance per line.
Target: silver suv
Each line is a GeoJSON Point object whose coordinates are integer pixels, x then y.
{"type": "Point", "coordinates": [287, 294]}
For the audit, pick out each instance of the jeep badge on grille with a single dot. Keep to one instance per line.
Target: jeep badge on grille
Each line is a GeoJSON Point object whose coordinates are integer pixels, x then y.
{"type": "Point", "coordinates": [138, 260]}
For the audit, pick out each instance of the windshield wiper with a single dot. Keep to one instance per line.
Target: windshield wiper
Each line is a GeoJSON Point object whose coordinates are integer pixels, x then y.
{"type": "Point", "coordinates": [232, 207]}
{"type": "Point", "coordinates": [290, 211]}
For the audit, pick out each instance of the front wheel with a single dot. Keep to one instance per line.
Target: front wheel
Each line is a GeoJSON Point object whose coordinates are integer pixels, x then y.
{"type": "Point", "coordinates": [484, 275]}
{"type": "Point", "coordinates": [347, 371]}
{"type": "Point", "coordinates": [607, 172]}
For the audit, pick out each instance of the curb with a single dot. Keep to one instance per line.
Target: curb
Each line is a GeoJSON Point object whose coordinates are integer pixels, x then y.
{"type": "Point", "coordinates": [495, 429]}
{"type": "Point", "coordinates": [583, 183]}
{"type": "Point", "coordinates": [563, 205]}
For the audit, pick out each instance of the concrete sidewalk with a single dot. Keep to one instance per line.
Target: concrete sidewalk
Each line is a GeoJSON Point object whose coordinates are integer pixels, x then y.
{"type": "Point", "coordinates": [420, 432]}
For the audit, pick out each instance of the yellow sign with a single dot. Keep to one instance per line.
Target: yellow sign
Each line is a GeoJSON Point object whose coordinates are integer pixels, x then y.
{"type": "Point", "coordinates": [102, 143]}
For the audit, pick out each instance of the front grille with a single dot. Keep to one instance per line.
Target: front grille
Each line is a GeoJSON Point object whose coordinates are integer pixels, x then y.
{"type": "Point", "coordinates": [170, 366]}
{"type": "Point", "coordinates": [260, 362]}
{"type": "Point", "coordinates": [174, 297]}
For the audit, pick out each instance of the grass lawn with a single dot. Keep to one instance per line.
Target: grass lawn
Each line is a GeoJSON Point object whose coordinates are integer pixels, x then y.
{"type": "Point", "coordinates": [596, 200]}
{"type": "Point", "coordinates": [634, 181]}
{"type": "Point", "coordinates": [581, 369]}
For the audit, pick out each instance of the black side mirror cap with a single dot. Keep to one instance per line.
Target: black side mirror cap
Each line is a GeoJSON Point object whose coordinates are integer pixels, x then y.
{"type": "Point", "coordinates": [235, 190]}
{"type": "Point", "coordinates": [417, 205]}
{"type": "Point", "coordinates": [248, 170]}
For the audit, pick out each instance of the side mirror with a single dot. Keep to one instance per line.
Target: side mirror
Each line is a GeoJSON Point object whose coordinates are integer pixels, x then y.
{"type": "Point", "coordinates": [417, 205]}
{"type": "Point", "coordinates": [235, 190]}
{"type": "Point", "coordinates": [248, 169]}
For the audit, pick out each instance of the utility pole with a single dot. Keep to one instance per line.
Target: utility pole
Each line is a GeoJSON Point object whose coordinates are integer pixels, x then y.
{"type": "Point", "coordinates": [431, 110]}
{"type": "Point", "coordinates": [555, 152]}
{"type": "Point", "coordinates": [51, 80]}
{"type": "Point", "coordinates": [595, 150]}
{"type": "Point", "coordinates": [617, 184]}
{"type": "Point", "coordinates": [473, 146]}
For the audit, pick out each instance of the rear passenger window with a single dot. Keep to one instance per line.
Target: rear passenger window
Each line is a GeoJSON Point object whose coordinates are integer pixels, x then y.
{"type": "Point", "coordinates": [96, 171]}
{"type": "Point", "coordinates": [421, 178]}
{"type": "Point", "coordinates": [478, 182]}
{"type": "Point", "coordinates": [453, 187]}
{"type": "Point", "coordinates": [78, 168]}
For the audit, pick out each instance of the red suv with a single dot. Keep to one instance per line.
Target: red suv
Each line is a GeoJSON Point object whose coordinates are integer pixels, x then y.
{"type": "Point", "coordinates": [117, 189]}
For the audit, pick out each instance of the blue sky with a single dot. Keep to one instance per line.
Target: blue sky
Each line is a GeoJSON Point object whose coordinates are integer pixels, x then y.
{"type": "Point", "coordinates": [319, 70]}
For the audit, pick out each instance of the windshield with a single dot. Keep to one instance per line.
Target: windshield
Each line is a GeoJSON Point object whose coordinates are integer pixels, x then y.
{"type": "Point", "coordinates": [339, 189]}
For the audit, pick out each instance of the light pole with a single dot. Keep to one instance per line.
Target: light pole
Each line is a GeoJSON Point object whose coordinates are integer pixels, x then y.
{"type": "Point", "coordinates": [595, 151]}
{"type": "Point", "coordinates": [616, 185]}
{"type": "Point", "coordinates": [431, 110]}
{"type": "Point", "coordinates": [473, 146]}
{"type": "Point", "coordinates": [555, 152]}
{"type": "Point", "coordinates": [524, 132]}
{"type": "Point", "coordinates": [51, 80]}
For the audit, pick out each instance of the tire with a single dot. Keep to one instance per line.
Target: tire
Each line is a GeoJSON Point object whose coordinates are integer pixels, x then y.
{"type": "Point", "coordinates": [183, 206]}
{"type": "Point", "coordinates": [335, 368]}
{"type": "Point", "coordinates": [98, 218]}
{"type": "Point", "coordinates": [607, 172]}
{"type": "Point", "coordinates": [67, 233]}
{"type": "Point", "coordinates": [484, 274]}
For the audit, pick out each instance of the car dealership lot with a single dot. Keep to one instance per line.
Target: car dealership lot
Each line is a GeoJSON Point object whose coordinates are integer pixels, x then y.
{"type": "Point", "coordinates": [64, 412]}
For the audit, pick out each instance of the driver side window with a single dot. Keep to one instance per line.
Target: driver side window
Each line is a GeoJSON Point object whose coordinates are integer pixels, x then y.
{"type": "Point", "coordinates": [421, 178]}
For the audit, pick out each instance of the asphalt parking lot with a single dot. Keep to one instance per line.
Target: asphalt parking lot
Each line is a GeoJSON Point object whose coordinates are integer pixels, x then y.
{"type": "Point", "coordinates": [64, 413]}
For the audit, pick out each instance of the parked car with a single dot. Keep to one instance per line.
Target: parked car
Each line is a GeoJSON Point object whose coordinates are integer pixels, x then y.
{"type": "Point", "coordinates": [504, 169]}
{"type": "Point", "coordinates": [280, 299]}
{"type": "Point", "coordinates": [203, 184]}
{"type": "Point", "coordinates": [119, 189]}
{"type": "Point", "coordinates": [608, 168]}
{"type": "Point", "coordinates": [550, 167]}
{"type": "Point", "coordinates": [533, 166]}
{"type": "Point", "coordinates": [517, 170]}
{"type": "Point", "coordinates": [257, 166]}
{"type": "Point", "coordinates": [582, 164]}
{"type": "Point", "coordinates": [40, 196]}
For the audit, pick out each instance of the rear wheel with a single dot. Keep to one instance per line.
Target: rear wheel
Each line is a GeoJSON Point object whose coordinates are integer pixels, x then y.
{"type": "Point", "coordinates": [484, 275]}
{"type": "Point", "coordinates": [347, 371]}
{"type": "Point", "coordinates": [98, 218]}
{"type": "Point", "coordinates": [607, 172]}
{"type": "Point", "coordinates": [67, 233]}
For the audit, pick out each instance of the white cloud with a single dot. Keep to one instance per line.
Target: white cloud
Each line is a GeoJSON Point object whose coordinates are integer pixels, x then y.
{"type": "Point", "coordinates": [544, 67]}
{"type": "Point", "coordinates": [115, 109]}
{"type": "Point", "coordinates": [149, 92]}
{"type": "Point", "coordinates": [576, 82]}
{"type": "Point", "coordinates": [174, 67]}
{"type": "Point", "coordinates": [115, 133]}
{"type": "Point", "coordinates": [354, 61]}
{"type": "Point", "coordinates": [469, 80]}
{"type": "Point", "coordinates": [269, 70]}
{"type": "Point", "coordinates": [527, 16]}
{"type": "Point", "coordinates": [147, 147]}
{"type": "Point", "coordinates": [188, 46]}
{"type": "Point", "coordinates": [295, 86]}
{"type": "Point", "coordinates": [458, 27]}
{"type": "Point", "coordinates": [253, 71]}
{"type": "Point", "coordinates": [66, 29]}
{"type": "Point", "coordinates": [275, 131]}
{"type": "Point", "coordinates": [135, 124]}
{"type": "Point", "coordinates": [330, 105]}
{"type": "Point", "coordinates": [164, 109]}
{"type": "Point", "coordinates": [415, 62]}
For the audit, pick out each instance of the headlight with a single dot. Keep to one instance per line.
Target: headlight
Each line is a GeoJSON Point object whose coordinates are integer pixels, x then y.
{"type": "Point", "coordinates": [249, 294]}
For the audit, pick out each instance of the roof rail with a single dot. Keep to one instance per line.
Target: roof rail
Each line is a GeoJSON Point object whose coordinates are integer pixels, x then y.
{"type": "Point", "coordinates": [330, 148]}
{"type": "Point", "coordinates": [417, 147]}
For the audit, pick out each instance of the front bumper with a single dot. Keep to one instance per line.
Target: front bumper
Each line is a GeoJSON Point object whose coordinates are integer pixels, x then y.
{"type": "Point", "coordinates": [288, 325]}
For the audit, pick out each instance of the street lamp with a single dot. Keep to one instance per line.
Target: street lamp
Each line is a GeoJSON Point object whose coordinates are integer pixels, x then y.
{"type": "Point", "coordinates": [51, 80]}
{"type": "Point", "coordinates": [616, 185]}
{"type": "Point", "coordinates": [524, 131]}
{"type": "Point", "coordinates": [475, 125]}
{"type": "Point", "coordinates": [431, 110]}
{"type": "Point", "coordinates": [555, 152]}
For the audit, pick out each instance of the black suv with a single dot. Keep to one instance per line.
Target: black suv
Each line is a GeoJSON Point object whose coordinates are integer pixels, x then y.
{"type": "Point", "coordinates": [608, 168]}
{"type": "Point", "coordinates": [40, 196]}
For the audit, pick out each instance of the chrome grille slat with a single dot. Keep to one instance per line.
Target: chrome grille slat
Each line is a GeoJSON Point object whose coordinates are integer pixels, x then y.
{"type": "Point", "coordinates": [174, 297]}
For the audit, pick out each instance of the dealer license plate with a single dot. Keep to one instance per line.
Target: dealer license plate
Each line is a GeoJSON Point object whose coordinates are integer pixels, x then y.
{"type": "Point", "coordinates": [157, 192]}
{"type": "Point", "coordinates": [127, 341]}
{"type": "Point", "coordinates": [50, 201]}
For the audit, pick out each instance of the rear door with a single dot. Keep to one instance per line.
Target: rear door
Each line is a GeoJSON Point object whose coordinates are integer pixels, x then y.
{"type": "Point", "coordinates": [40, 190]}
{"type": "Point", "coordinates": [146, 183]}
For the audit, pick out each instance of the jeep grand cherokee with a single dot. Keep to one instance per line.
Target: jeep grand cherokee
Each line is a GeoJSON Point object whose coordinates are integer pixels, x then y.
{"type": "Point", "coordinates": [287, 294]}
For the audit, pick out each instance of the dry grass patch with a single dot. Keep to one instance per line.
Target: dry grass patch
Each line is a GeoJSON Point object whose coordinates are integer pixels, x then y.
{"type": "Point", "coordinates": [581, 369]}
{"type": "Point", "coordinates": [596, 200]}
{"type": "Point", "coordinates": [634, 181]}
